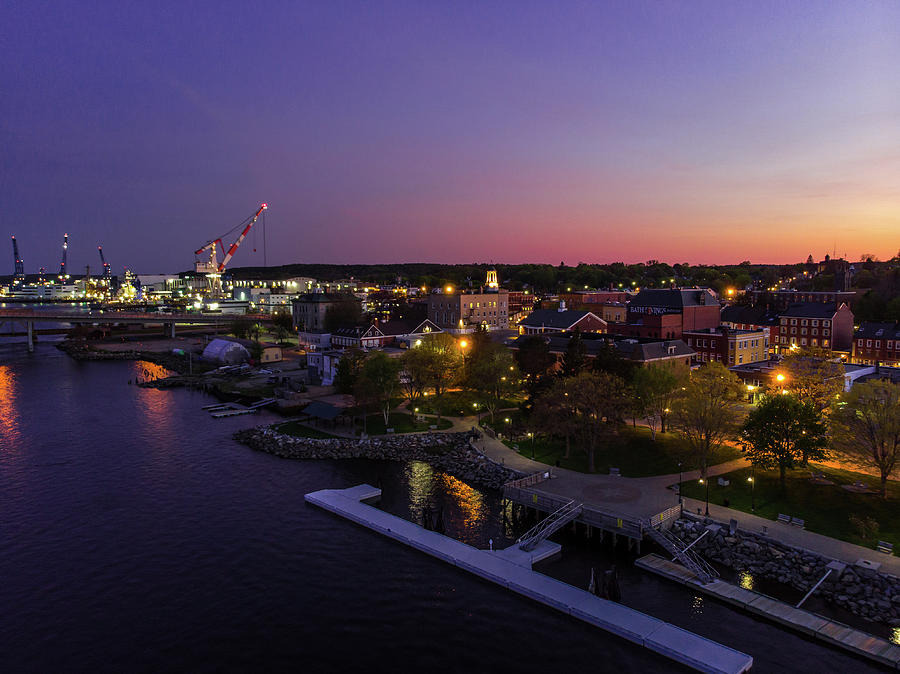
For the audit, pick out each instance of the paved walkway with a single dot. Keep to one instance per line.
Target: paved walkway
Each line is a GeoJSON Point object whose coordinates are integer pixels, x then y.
{"type": "Point", "coordinates": [801, 538]}
{"type": "Point", "coordinates": [647, 496]}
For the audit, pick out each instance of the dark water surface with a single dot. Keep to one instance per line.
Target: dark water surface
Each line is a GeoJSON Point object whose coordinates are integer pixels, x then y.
{"type": "Point", "coordinates": [135, 535]}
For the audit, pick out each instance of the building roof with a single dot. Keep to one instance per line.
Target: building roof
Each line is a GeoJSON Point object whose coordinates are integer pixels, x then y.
{"type": "Point", "coordinates": [747, 315]}
{"type": "Point", "coordinates": [326, 297]}
{"type": "Point", "coordinates": [551, 318]}
{"type": "Point", "coordinates": [811, 310]}
{"type": "Point", "coordinates": [321, 410]}
{"type": "Point", "coordinates": [635, 350]}
{"type": "Point", "coordinates": [674, 298]}
{"type": "Point", "coordinates": [876, 330]}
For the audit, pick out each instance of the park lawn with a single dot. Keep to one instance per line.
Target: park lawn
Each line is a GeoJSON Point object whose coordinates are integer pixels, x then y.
{"type": "Point", "coordinates": [458, 403]}
{"type": "Point", "coordinates": [632, 452]}
{"type": "Point", "coordinates": [826, 508]}
{"type": "Point", "coordinates": [401, 422]}
{"type": "Point", "coordinates": [298, 430]}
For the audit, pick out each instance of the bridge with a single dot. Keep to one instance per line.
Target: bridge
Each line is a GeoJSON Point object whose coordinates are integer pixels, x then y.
{"type": "Point", "coordinates": [28, 317]}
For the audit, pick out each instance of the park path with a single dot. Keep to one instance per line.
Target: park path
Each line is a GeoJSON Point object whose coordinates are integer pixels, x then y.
{"type": "Point", "coordinates": [801, 538]}
{"type": "Point", "coordinates": [653, 493]}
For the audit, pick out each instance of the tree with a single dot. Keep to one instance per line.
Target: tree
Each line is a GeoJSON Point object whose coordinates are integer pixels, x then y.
{"type": "Point", "coordinates": [414, 375]}
{"type": "Point", "coordinates": [866, 427]}
{"type": "Point", "coordinates": [348, 369]}
{"type": "Point", "coordinates": [813, 376]}
{"type": "Point", "coordinates": [443, 361]}
{"type": "Point", "coordinates": [378, 382]}
{"type": "Point", "coordinates": [283, 325]}
{"type": "Point", "coordinates": [609, 360]}
{"type": "Point", "coordinates": [782, 431]}
{"type": "Point", "coordinates": [240, 328]}
{"type": "Point", "coordinates": [656, 389]}
{"type": "Point", "coordinates": [553, 411]}
{"type": "Point", "coordinates": [706, 415]}
{"type": "Point", "coordinates": [493, 373]}
{"type": "Point", "coordinates": [597, 403]}
{"type": "Point", "coordinates": [575, 357]}
{"type": "Point", "coordinates": [533, 357]}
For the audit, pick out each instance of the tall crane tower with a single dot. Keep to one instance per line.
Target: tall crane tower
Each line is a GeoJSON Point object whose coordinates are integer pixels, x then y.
{"type": "Point", "coordinates": [107, 274]}
{"type": "Point", "coordinates": [211, 266]}
{"type": "Point", "coordinates": [20, 265]}
{"type": "Point", "coordinates": [62, 265]}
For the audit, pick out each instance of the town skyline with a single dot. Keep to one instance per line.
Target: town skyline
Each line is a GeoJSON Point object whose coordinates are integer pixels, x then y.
{"type": "Point", "coordinates": [514, 133]}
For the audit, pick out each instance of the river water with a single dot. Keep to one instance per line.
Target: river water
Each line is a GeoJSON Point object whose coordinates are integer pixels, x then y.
{"type": "Point", "coordinates": [136, 535]}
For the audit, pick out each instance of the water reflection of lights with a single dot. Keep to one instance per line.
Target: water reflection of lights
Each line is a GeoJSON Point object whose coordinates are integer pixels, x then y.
{"type": "Point", "coordinates": [156, 405]}
{"type": "Point", "coordinates": [419, 477]}
{"type": "Point", "coordinates": [9, 418]}
{"type": "Point", "coordinates": [895, 635]}
{"type": "Point", "coordinates": [745, 580]}
{"type": "Point", "coordinates": [697, 606]}
{"type": "Point", "coordinates": [468, 501]}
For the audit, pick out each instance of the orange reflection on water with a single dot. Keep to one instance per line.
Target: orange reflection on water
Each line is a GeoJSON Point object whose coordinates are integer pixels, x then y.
{"type": "Point", "coordinates": [157, 406]}
{"type": "Point", "coordinates": [468, 501]}
{"type": "Point", "coordinates": [9, 416]}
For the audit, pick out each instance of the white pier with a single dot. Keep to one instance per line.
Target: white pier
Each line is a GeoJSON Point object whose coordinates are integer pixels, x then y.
{"type": "Point", "coordinates": [511, 568]}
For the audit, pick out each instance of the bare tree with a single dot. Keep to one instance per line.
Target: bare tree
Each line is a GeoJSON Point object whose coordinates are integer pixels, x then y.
{"type": "Point", "coordinates": [866, 427]}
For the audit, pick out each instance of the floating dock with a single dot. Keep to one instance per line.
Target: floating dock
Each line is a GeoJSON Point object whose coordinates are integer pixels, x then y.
{"type": "Point", "coordinates": [511, 568]}
{"type": "Point", "coordinates": [835, 633]}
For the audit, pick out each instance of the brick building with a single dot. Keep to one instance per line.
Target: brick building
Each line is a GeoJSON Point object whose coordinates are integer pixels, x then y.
{"type": "Point", "coordinates": [465, 311]}
{"type": "Point", "coordinates": [877, 344]}
{"type": "Point", "coordinates": [667, 313]}
{"type": "Point", "coordinates": [814, 324]}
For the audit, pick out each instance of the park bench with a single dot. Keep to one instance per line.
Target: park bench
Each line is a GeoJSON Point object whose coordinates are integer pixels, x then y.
{"type": "Point", "coordinates": [615, 471]}
{"type": "Point", "coordinates": [723, 482]}
{"type": "Point", "coordinates": [784, 519]}
{"type": "Point", "coordinates": [885, 547]}
{"type": "Point", "coordinates": [433, 427]}
{"type": "Point", "coordinates": [389, 430]}
{"type": "Point", "coordinates": [797, 522]}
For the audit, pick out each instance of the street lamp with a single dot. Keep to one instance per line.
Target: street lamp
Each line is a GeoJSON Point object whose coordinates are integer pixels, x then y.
{"type": "Point", "coordinates": [707, 494]}
{"type": "Point", "coordinates": [531, 435]}
{"type": "Point", "coordinates": [752, 482]}
{"type": "Point", "coordinates": [679, 484]}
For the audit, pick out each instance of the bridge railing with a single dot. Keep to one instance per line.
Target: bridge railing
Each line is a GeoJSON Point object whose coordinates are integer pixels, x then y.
{"type": "Point", "coordinates": [632, 527]}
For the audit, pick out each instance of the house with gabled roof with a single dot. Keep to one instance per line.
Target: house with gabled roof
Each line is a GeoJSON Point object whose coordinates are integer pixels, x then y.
{"type": "Point", "coordinates": [561, 320]}
{"type": "Point", "coordinates": [378, 335]}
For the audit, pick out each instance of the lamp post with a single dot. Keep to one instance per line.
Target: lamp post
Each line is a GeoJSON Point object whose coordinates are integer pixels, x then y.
{"type": "Point", "coordinates": [679, 483]}
{"type": "Point", "coordinates": [707, 494]}
{"type": "Point", "coordinates": [531, 435]}
{"type": "Point", "coordinates": [752, 481]}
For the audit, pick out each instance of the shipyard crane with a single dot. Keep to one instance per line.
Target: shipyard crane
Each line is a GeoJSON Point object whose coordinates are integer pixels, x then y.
{"type": "Point", "coordinates": [62, 265]}
{"type": "Point", "coordinates": [20, 265]}
{"type": "Point", "coordinates": [106, 271]}
{"type": "Point", "coordinates": [212, 267]}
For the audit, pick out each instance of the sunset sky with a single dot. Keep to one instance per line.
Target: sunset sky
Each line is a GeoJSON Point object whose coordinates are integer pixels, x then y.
{"type": "Point", "coordinates": [702, 132]}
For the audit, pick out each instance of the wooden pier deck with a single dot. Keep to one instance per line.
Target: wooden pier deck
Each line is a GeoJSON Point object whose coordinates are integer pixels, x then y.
{"type": "Point", "coordinates": [823, 629]}
{"type": "Point", "coordinates": [511, 568]}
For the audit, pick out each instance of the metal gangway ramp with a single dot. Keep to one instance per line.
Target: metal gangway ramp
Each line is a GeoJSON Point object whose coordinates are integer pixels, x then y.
{"type": "Point", "coordinates": [552, 523]}
{"type": "Point", "coordinates": [688, 558]}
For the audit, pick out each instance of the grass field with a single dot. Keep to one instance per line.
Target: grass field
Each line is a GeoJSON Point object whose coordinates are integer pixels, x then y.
{"type": "Point", "coordinates": [401, 422]}
{"type": "Point", "coordinates": [632, 452]}
{"type": "Point", "coordinates": [826, 508]}
{"type": "Point", "coordinates": [298, 430]}
{"type": "Point", "coordinates": [458, 403]}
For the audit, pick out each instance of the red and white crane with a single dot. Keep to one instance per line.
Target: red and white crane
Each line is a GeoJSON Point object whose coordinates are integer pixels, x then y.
{"type": "Point", "coordinates": [212, 267]}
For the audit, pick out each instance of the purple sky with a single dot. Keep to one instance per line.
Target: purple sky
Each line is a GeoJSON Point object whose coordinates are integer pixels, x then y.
{"type": "Point", "coordinates": [454, 132]}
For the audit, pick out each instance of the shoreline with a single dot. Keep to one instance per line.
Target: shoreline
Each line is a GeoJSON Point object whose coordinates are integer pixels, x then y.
{"type": "Point", "coordinates": [448, 452]}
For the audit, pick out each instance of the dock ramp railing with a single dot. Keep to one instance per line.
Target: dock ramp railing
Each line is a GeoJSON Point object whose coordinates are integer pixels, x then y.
{"type": "Point", "coordinates": [688, 558]}
{"type": "Point", "coordinates": [552, 523]}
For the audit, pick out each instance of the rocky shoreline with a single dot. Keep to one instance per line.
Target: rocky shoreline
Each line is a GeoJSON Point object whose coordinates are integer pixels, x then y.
{"type": "Point", "coordinates": [448, 452]}
{"type": "Point", "coordinates": [862, 591]}
{"type": "Point", "coordinates": [83, 352]}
